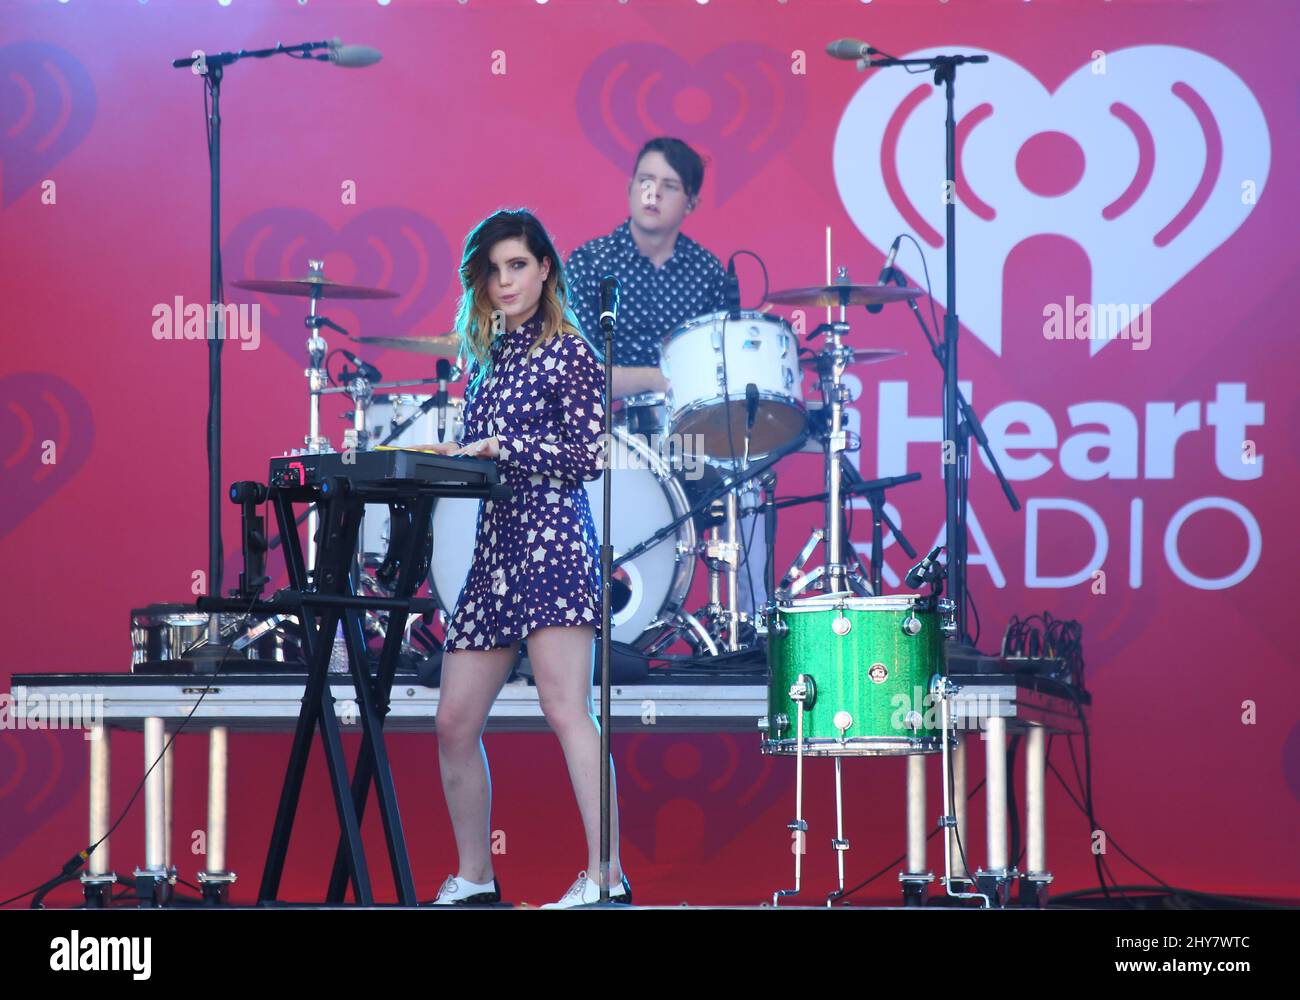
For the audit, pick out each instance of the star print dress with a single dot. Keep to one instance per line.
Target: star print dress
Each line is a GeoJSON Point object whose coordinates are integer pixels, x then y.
{"type": "Point", "coordinates": [536, 555]}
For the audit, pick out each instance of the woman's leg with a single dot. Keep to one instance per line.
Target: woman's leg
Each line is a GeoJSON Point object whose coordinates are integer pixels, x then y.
{"type": "Point", "coordinates": [561, 659]}
{"type": "Point", "coordinates": [471, 681]}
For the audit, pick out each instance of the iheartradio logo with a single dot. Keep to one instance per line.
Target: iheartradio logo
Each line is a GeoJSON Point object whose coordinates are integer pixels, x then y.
{"type": "Point", "coordinates": [386, 247]}
{"type": "Point", "coordinates": [47, 105]}
{"type": "Point", "coordinates": [740, 102]}
{"type": "Point", "coordinates": [46, 435]}
{"type": "Point", "coordinates": [1148, 159]}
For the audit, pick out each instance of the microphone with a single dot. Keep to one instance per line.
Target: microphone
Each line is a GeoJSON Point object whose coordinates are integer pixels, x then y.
{"type": "Point", "coordinates": [352, 56]}
{"type": "Point", "coordinates": [919, 573]}
{"type": "Point", "coordinates": [731, 291]}
{"type": "Point", "coordinates": [851, 49]}
{"type": "Point", "coordinates": [751, 405]}
{"type": "Point", "coordinates": [886, 272]}
{"type": "Point", "coordinates": [609, 300]}
{"type": "Point", "coordinates": [366, 371]}
{"type": "Point", "coordinates": [444, 373]}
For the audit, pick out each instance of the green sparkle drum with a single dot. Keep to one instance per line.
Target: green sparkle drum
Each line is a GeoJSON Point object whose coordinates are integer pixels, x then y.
{"type": "Point", "coordinates": [862, 667]}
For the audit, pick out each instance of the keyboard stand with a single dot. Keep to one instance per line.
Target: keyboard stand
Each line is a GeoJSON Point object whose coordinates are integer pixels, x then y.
{"type": "Point", "coordinates": [334, 599]}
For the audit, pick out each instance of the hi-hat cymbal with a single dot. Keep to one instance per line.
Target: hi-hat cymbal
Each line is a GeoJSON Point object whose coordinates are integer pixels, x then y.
{"type": "Point", "coordinates": [859, 356]}
{"type": "Point", "coordinates": [314, 284]}
{"type": "Point", "coordinates": [443, 345]}
{"type": "Point", "coordinates": [850, 295]}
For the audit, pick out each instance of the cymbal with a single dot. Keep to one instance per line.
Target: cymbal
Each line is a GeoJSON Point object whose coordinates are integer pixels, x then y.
{"type": "Point", "coordinates": [314, 284]}
{"type": "Point", "coordinates": [443, 345]}
{"type": "Point", "coordinates": [861, 356]}
{"type": "Point", "coordinates": [833, 295]}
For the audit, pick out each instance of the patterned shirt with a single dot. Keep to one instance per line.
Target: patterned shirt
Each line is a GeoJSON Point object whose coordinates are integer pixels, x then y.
{"type": "Point", "coordinates": [654, 300]}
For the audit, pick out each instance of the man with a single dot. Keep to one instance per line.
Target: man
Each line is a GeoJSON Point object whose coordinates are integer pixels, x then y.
{"type": "Point", "coordinates": [665, 278]}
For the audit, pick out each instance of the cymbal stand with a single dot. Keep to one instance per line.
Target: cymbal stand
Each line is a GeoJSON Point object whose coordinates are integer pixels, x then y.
{"type": "Point", "coordinates": [317, 380]}
{"type": "Point", "coordinates": [832, 360]}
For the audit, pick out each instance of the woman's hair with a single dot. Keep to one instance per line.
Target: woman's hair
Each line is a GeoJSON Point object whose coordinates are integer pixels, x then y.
{"type": "Point", "coordinates": [475, 320]}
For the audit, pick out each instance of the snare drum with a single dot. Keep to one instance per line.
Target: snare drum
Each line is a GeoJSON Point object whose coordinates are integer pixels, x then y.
{"type": "Point", "coordinates": [867, 664]}
{"type": "Point", "coordinates": [708, 352]}
{"type": "Point", "coordinates": [644, 414]}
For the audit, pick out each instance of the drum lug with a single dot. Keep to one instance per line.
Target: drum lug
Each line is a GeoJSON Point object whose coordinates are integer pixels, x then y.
{"type": "Point", "coordinates": [780, 722]}
{"type": "Point", "coordinates": [911, 625]}
{"type": "Point", "coordinates": [787, 375]}
{"type": "Point", "coordinates": [785, 345]}
{"type": "Point", "coordinates": [804, 689]}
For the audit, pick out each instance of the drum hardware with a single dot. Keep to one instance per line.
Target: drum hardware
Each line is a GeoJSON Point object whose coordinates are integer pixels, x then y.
{"type": "Point", "coordinates": [685, 625]}
{"type": "Point", "coordinates": [842, 722]}
{"type": "Point", "coordinates": [801, 691]}
{"type": "Point", "coordinates": [943, 690]}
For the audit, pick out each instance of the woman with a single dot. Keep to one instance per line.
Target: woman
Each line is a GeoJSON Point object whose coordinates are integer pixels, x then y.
{"type": "Point", "coordinates": [535, 404]}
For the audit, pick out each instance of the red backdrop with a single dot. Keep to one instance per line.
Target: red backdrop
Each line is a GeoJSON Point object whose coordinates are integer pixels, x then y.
{"type": "Point", "coordinates": [1119, 153]}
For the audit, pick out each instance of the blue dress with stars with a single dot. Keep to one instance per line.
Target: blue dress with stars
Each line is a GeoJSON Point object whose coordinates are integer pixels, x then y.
{"type": "Point", "coordinates": [536, 555]}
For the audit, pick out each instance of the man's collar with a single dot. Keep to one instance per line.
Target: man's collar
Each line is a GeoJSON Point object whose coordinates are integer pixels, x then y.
{"type": "Point", "coordinates": [627, 244]}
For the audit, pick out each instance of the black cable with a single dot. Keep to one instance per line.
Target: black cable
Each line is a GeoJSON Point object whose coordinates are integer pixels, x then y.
{"type": "Point", "coordinates": [902, 857]}
{"type": "Point", "coordinates": [78, 860]}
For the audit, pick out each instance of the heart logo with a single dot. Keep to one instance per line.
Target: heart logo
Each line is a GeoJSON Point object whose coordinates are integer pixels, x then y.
{"type": "Point", "coordinates": [390, 247]}
{"type": "Point", "coordinates": [739, 102]}
{"type": "Point", "coordinates": [1148, 160]}
{"type": "Point", "coordinates": [727, 786]}
{"type": "Point", "coordinates": [47, 105]}
{"type": "Point", "coordinates": [46, 434]}
{"type": "Point", "coordinates": [40, 772]}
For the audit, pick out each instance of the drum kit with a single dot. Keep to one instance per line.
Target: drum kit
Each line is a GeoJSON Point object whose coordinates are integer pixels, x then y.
{"type": "Point", "coordinates": [851, 669]}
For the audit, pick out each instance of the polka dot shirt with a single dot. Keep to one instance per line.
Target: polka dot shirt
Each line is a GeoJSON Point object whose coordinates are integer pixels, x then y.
{"type": "Point", "coordinates": [654, 300]}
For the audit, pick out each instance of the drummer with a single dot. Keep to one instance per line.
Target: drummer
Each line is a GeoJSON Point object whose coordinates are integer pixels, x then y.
{"type": "Point", "coordinates": [665, 276]}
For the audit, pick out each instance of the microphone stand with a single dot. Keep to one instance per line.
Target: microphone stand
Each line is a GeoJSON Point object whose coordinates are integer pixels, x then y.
{"type": "Point", "coordinates": [211, 68]}
{"type": "Point", "coordinates": [945, 73]}
{"type": "Point", "coordinates": [607, 321]}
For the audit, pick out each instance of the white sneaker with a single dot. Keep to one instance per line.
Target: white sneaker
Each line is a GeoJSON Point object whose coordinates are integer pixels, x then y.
{"type": "Point", "coordinates": [459, 892]}
{"type": "Point", "coordinates": [585, 892]}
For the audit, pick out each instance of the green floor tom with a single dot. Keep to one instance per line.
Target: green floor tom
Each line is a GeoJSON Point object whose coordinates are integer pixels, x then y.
{"type": "Point", "coordinates": [863, 668]}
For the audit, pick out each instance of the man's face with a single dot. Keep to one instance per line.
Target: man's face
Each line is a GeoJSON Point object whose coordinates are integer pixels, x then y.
{"type": "Point", "coordinates": [657, 201]}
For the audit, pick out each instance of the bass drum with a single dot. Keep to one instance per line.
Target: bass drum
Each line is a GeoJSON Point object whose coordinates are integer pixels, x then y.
{"type": "Point", "coordinates": [648, 589]}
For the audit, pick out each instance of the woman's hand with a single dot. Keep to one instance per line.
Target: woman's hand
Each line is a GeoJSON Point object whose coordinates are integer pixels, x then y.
{"type": "Point", "coordinates": [486, 448]}
{"type": "Point", "coordinates": [441, 448]}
